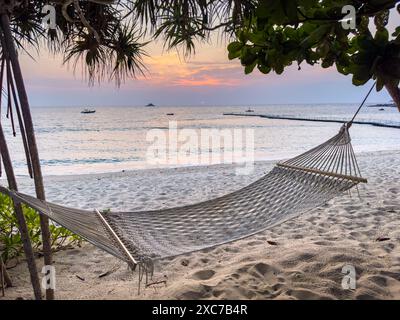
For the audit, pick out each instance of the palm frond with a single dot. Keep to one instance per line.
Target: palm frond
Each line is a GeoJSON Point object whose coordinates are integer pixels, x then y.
{"type": "Point", "coordinates": [127, 53]}
{"type": "Point", "coordinates": [106, 40]}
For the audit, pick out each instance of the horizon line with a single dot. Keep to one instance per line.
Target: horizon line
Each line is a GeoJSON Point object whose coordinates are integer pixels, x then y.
{"type": "Point", "coordinates": [205, 105]}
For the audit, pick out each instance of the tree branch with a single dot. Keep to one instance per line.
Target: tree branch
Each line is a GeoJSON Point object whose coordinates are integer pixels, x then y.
{"type": "Point", "coordinates": [394, 92]}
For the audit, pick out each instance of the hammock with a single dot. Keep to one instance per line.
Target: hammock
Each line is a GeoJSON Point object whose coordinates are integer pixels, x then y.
{"type": "Point", "coordinates": [291, 188]}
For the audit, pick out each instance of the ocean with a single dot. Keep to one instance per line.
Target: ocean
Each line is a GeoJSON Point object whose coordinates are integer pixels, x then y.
{"type": "Point", "coordinates": [119, 138]}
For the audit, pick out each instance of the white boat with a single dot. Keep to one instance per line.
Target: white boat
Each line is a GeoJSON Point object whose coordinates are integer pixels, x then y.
{"type": "Point", "coordinates": [88, 111]}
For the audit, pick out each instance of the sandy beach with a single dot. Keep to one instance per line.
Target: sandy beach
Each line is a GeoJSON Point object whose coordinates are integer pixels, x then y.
{"type": "Point", "coordinates": [300, 259]}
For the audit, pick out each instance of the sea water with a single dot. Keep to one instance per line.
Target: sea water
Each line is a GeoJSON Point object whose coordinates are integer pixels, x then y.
{"type": "Point", "coordinates": [116, 138]}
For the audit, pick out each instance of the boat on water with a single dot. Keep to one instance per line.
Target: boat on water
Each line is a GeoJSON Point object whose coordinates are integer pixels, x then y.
{"type": "Point", "coordinates": [170, 114]}
{"type": "Point", "coordinates": [249, 110]}
{"type": "Point", "coordinates": [382, 105]}
{"type": "Point", "coordinates": [150, 105]}
{"type": "Point", "coordinates": [88, 111]}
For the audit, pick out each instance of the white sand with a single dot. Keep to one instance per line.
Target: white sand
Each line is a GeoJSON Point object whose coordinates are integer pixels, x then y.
{"type": "Point", "coordinates": [306, 263]}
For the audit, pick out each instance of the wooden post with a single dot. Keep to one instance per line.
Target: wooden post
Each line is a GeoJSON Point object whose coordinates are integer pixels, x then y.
{"type": "Point", "coordinates": [26, 113]}
{"type": "Point", "coordinates": [23, 229]}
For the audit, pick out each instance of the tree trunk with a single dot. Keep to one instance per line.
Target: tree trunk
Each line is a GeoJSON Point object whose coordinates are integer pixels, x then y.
{"type": "Point", "coordinates": [2, 277]}
{"type": "Point", "coordinates": [26, 113]}
{"type": "Point", "coordinates": [23, 229]}
{"type": "Point", "coordinates": [3, 270]}
{"type": "Point", "coordinates": [394, 92]}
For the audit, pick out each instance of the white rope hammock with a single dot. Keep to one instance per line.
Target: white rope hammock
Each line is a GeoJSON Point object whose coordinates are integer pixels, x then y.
{"type": "Point", "coordinates": [291, 188]}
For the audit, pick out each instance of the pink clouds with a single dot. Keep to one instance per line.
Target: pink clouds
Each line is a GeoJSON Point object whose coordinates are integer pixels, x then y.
{"type": "Point", "coordinates": [170, 70]}
{"type": "Point", "coordinates": [206, 81]}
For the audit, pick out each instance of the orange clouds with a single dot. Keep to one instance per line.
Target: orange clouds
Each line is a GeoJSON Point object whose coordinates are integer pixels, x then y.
{"type": "Point", "coordinates": [206, 81]}
{"type": "Point", "coordinates": [169, 70]}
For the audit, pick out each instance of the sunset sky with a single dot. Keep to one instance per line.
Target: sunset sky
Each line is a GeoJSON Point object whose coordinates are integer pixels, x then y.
{"type": "Point", "coordinates": [208, 78]}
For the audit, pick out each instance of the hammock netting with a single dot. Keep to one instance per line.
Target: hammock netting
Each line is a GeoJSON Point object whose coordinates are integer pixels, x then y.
{"type": "Point", "coordinates": [291, 188]}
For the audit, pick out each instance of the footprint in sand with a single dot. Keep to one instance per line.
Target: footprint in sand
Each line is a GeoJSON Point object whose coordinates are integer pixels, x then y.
{"type": "Point", "coordinates": [265, 269]}
{"type": "Point", "coordinates": [203, 274]}
{"type": "Point", "coordinates": [204, 260]}
{"type": "Point", "coordinates": [323, 243]}
{"type": "Point", "coordinates": [303, 294]}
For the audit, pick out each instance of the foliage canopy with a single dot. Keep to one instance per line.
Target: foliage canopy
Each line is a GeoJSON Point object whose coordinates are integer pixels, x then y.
{"type": "Point", "coordinates": [282, 32]}
{"type": "Point", "coordinates": [108, 36]}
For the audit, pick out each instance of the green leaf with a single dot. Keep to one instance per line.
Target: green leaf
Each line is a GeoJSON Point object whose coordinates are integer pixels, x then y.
{"type": "Point", "coordinates": [364, 57]}
{"type": "Point", "coordinates": [365, 41]}
{"type": "Point", "coordinates": [235, 46]}
{"type": "Point", "coordinates": [242, 36]}
{"type": "Point", "coordinates": [396, 33]}
{"type": "Point", "coordinates": [361, 74]}
{"type": "Point", "coordinates": [279, 68]}
{"type": "Point", "coordinates": [381, 37]}
{"type": "Point", "coordinates": [249, 68]}
{"type": "Point", "coordinates": [234, 55]}
{"type": "Point", "coordinates": [234, 49]}
{"type": "Point", "coordinates": [264, 68]}
{"type": "Point", "coordinates": [381, 19]}
{"type": "Point", "coordinates": [247, 56]}
{"type": "Point", "coordinates": [290, 9]}
{"type": "Point", "coordinates": [380, 84]}
{"type": "Point", "coordinates": [358, 82]}
{"type": "Point", "coordinates": [323, 48]}
{"type": "Point", "coordinates": [316, 35]}
{"type": "Point", "coordinates": [341, 69]}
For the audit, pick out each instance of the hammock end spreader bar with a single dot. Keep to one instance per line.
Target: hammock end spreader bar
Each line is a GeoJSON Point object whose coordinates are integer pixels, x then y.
{"type": "Point", "coordinates": [118, 241]}
{"type": "Point", "coordinates": [324, 173]}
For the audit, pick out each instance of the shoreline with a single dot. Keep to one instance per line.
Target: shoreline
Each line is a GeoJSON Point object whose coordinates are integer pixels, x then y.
{"type": "Point", "coordinates": [194, 167]}
{"type": "Point", "coordinates": [152, 189]}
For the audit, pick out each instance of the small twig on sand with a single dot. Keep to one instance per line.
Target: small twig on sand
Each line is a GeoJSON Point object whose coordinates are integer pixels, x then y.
{"type": "Point", "coordinates": [156, 282]}
{"type": "Point", "coordinates": [80, 278]}
{"type": "Point", "coordinates": [382, 239]}
{"type": "Point", "coordinates": [106, 273]}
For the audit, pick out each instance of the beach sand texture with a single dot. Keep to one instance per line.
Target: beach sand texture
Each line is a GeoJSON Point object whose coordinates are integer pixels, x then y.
{"type": "Point", "coordinates": [299, 259]}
